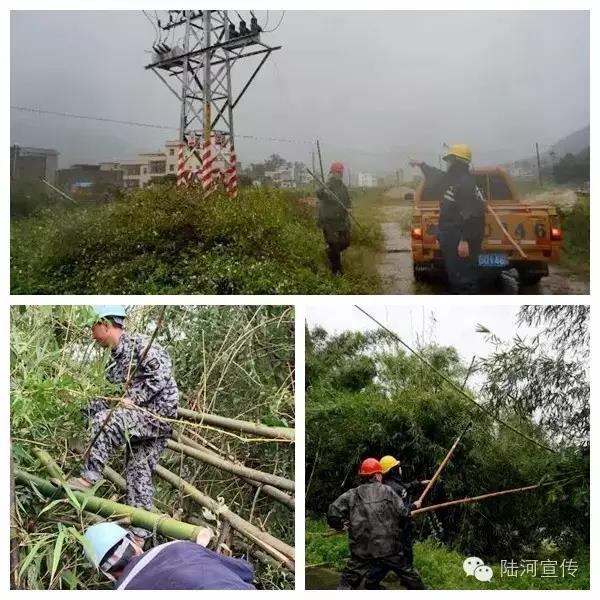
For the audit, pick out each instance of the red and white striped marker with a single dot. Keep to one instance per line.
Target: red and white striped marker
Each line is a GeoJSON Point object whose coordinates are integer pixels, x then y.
{"type": "Point", "coordinates": [181, 174]}
{"type": "Point", "coordinates": [231, 177]}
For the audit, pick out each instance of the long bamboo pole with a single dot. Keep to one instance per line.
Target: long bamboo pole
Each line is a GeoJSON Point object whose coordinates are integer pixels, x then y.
{"type": "Point", "coordinates": [268, 490]}
{"type": "Point", "coordinates": [226, 465]}
{"type": "Point", "coordinates": [470, 500]}
{"type": "Point", "coordinates": [443, 463]}
{"type": "Point", "coordinates": [107, 508]}
{"type": "Point", "coordinates": [270, 544]}
{"type": "Point", "coordinates": [276, 433]}
{"type": "Point", "coordinates": [418, 511]}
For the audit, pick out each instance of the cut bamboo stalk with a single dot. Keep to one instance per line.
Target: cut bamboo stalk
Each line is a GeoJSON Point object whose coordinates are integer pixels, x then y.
{"type": "Point", "coordinates": [443, 463]}
{"type": "Point", "coordinates": [270, 544]}
{"type": "Point", "coordinates": [276, 433]}
{"type": "Point", "coordinates": [418, 511]}
{"type": "Point", "coordinates": [138, 517]}
{"type": "Point", "coordinates": [226, 465]}
{"type": "Point", "coordinates": [268, 490]}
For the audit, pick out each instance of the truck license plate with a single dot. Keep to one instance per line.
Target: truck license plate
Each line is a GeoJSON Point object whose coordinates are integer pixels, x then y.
{"type": "Point", "coordinates": [493, 260]}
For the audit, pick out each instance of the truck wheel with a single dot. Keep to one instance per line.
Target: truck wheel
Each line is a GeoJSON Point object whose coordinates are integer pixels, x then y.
{"type": "Point", "coordinates": [527, 278]}
{"type": "Point", "coordinates": [419, 276]}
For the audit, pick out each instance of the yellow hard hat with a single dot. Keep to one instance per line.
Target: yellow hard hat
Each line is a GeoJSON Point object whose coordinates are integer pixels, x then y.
{"type": "Point", "coordinates": [461, 151]}
{"type": "Point", "coordinates": [387, 462]}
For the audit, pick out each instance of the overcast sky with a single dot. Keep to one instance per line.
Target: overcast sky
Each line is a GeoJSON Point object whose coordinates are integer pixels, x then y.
{"type": "Point", "coordinates": [447, 326]}
{"type": "Point", "coordinates": [375, 87]}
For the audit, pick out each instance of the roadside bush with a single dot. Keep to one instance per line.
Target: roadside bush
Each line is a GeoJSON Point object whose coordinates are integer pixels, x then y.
{"type": "Point", "coordinates": [160, 240]}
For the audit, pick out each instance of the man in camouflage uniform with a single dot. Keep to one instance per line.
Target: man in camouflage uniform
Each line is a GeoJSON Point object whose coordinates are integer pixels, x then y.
{"type": "Point", "coordinates": [144, 370]}
{"type": "Point", "coordinates": [373, 514]}
{"type": "Point", "coordinates": [334, 218]}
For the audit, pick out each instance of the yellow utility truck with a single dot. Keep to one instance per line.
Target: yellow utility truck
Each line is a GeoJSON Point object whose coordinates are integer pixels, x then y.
{"type": "Point", "coordinates": [535, 228]}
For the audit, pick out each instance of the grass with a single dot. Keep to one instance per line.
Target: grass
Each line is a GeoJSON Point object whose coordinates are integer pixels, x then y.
{"type": "Point", "coordinates": [440, 567]}
{"type": "Point", "coordinates": [575, 223]}
{"type": "Point", "coordinates": [159, 240]}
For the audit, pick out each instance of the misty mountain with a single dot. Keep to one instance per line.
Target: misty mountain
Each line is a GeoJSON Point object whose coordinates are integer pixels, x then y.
{"type": "Point", "coordinates": [574, 142]}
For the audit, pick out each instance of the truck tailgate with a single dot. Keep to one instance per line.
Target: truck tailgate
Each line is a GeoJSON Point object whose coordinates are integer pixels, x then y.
{"type": "Point", "coordinates": [529, 226]}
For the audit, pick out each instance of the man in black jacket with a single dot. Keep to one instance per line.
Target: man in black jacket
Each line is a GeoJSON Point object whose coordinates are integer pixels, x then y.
{"type": "Point", "coordinates": [407, 490]}
{"type": "Point", "coordinates": [462, 218]}
{"type": "Point", "coordinates": [334, 216]}
{"type": "Point", "coordinates": [372, 513]}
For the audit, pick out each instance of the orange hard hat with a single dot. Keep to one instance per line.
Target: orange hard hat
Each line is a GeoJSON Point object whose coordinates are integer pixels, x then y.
{"type": "Point", "coordinates": [369, 466]}
{"type": "Point", "coordinates": [336, 167]}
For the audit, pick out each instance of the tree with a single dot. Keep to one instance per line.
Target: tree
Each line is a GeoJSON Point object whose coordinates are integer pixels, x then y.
{"type": "Point", "coordinates": [545, 378]}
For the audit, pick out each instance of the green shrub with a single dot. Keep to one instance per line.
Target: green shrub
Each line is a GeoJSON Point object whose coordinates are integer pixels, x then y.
{"type": "Point", "coordinates": [161, 240]}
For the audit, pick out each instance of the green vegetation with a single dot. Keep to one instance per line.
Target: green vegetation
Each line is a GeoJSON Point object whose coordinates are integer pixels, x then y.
{"type": "Point", "coordinates": [160, 240]}
{"type": "Point", "coordinates": [234, 361]}
{"type": "Point", "coordinates": [441, 568]}
{"type": "Point", "coordinates": [367, 397]}
{"type": "Point", "coordinates": [575, 223]}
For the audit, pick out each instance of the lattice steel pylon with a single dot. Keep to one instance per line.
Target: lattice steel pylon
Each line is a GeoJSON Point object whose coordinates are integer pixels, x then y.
{"type": "Point", "coordinates": [197, 70]}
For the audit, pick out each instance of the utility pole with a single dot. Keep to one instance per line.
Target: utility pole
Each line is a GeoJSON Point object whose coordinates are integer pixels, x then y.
{"type": "Point", "coordinates": [398, 178]}
{"type": "Point", "coordinates": [197, 71]}
{"type": "Point", "coordinates": [539, 167]}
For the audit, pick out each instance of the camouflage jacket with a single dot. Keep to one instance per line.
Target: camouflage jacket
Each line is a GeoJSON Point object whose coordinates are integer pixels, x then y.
{"type": "Point", "coordinates": [330, 209]}
{"type": "Point", "coordinates": [152, 385]}
{"type": "Point", "coordinates": [374, 515]}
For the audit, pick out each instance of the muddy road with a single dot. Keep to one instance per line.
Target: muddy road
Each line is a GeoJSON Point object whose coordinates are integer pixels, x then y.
{"type": "Point", "coordinates": [396, 270]}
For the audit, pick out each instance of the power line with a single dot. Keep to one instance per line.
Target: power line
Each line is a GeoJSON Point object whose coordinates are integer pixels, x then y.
{"type": "Point", "coordinates": [150, 125]}
{"type": "Point", "coordinates": [454, 385]}
{"type": "Point", "coordinates": [276, 26]}
{"type": "Point", "coordinates": [166, 127]}
{"type": "Point", "coordinates": [89, 118]}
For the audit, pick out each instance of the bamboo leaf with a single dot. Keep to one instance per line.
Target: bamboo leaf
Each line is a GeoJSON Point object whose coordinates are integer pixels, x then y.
{"type": "Point", "coordinates": [51, 505]}
{"type": "Point", "coordinates": [30, 556]}
{"type": "Point", "coordinates": [57, 552]}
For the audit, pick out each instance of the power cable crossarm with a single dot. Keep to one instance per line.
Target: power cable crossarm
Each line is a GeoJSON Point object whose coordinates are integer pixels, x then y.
{"type": "Point", "coordinates": [454, 385]}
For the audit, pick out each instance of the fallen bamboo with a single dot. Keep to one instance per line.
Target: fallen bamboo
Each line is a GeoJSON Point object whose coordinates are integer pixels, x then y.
{"type": "Point", "coordinates": [470, 500]}
{"type": "Point", "coordinates": [268, 543]}
{"type": "Point", "coordinates": [418, 511]}
{"type": "Point", "coordinates": [266, 489]}
{"type": "Point", "coordinates": [443, 463]}
{"type": "Point", "coordinates": [226, 465]}
{"type": "Point", "coordinates": [276, 433]}
{"type": "Point", "coordinates": [138, 517]}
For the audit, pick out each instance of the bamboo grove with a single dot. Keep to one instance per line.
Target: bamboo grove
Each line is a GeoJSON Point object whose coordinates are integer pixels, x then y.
{"type": "Point", "coordinates": [229, 464]}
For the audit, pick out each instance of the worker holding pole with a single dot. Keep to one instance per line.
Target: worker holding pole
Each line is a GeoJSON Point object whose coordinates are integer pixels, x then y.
{"type": "Point", "coordinates": [143, 369]}
{"type": "Point", "coordinates": [462, 218]}
{"type": "Point", "coordinates": [372, 513]}
{"type": "Point", "coordinates": [408, 491]}
{"type": "Point", "coordinates": [334, 216]}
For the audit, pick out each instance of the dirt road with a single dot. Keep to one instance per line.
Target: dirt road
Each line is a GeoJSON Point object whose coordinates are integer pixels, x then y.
{"type": "Point", "coordinates": [396, 270]}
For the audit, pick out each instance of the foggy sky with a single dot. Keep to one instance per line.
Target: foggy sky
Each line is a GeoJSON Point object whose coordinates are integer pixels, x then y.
{"type": "Point", "coordinates": [375, 87]}
{"type": "Point", "coordinates": [453, 325]}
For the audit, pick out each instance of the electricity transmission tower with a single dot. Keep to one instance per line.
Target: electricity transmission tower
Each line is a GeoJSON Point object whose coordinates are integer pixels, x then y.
{"type": "Point", "coordinates": [197, 69]}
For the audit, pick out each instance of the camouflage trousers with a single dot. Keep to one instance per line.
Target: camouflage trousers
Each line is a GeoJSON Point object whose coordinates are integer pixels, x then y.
{"type": "Point", "coordinates": [136, 432]}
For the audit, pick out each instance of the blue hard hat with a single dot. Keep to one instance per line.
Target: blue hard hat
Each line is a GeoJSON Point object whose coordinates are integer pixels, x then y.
{"type": "Point", "coordinates": [107, 310]}
{"type": "Point", "coordinates": [101, 538]}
